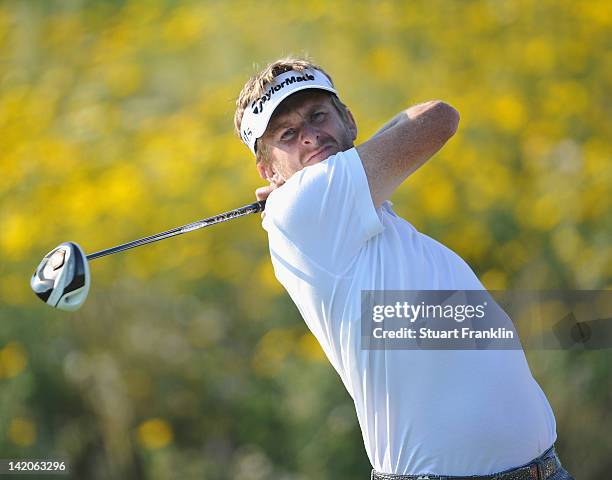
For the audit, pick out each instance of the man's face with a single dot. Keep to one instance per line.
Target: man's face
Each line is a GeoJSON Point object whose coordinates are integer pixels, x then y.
{"type": "Point", "coordinates": [306, 129]}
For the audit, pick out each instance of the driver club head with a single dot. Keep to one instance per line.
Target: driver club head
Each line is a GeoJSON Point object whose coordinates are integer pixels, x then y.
{"type": "Point", "coordinates": [62, 278]}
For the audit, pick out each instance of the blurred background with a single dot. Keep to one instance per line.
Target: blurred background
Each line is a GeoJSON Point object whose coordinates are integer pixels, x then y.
{"type": "Point", "coordinates": [188, 360]}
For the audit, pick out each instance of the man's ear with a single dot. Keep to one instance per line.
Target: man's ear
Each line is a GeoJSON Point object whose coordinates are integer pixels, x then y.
{"type": "Point", "coordinates": [269, 173]}
{"type": "Point", "coordinates": [265, 171]}
{"type": "Point", "coordinates": [352, 126]}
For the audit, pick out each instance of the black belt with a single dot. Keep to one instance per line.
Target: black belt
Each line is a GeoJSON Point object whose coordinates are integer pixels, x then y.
{"type": "Point", "coordinates": [539, 469]}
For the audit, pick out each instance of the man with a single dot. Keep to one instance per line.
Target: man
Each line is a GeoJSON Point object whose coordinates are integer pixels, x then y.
{"type": "Point", "coordinates": [333, 234]}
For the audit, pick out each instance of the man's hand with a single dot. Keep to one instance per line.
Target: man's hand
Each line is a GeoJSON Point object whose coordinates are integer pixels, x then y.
{"type": "Point", "coordinates": [262, 193]}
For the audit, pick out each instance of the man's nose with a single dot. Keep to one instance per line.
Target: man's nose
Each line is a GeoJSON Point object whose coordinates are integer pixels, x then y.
{"type": "Point", "coordinates": [310, 134]}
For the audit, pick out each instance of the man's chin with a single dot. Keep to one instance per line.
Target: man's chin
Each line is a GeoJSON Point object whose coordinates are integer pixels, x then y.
{"type": "Point", "coordinates": [321, 156]}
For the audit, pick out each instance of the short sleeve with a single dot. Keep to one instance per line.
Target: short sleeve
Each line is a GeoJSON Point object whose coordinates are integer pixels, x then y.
{"type": "Point", "coordinates": [323, 215]}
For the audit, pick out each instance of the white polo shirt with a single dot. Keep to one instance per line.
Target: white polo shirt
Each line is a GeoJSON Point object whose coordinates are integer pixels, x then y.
{"type": "Point", "coordinates": [446, 412]}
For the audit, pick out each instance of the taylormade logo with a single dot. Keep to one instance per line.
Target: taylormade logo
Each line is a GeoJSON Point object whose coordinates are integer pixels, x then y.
{"type": "Point", "coordinates": [258, 105]}
{"type": "Point", "coordinates": [246, 134]}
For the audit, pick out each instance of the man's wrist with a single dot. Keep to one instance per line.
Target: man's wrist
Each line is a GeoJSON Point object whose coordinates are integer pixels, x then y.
{"type": "Point", "coordinates": [408, 114]}
{"type": "Point", "coordinates": [400, 117]}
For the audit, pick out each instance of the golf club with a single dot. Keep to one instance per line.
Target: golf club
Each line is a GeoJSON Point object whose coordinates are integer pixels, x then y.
{"type": "Point", "coordinates": [62, 278]}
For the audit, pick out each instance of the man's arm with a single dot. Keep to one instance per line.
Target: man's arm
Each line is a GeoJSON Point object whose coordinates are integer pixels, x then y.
{"type": "Point", "coordinates": [404, 144]}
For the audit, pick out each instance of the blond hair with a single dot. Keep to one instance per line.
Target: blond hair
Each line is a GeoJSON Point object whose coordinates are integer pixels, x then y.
{"type": "Point", "coordinates": [256, 86]}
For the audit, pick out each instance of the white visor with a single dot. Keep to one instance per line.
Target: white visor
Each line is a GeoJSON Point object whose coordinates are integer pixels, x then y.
{"type": "Point", "coordinates": [257, 115]}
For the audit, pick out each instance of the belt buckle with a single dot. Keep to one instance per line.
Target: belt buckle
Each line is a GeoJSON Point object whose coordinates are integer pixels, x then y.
{"type": "Point", "coordinates": [534, 472]}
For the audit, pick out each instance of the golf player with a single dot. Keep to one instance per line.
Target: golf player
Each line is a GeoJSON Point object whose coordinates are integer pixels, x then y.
{"type": "Point", "coordinates": [333, 234]}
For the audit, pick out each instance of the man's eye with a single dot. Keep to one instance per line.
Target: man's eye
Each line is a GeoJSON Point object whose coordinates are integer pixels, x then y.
{"type": "Point", "coordinates": [287, 134]}
{"type": "Point", "coordinates": [318, 116]}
